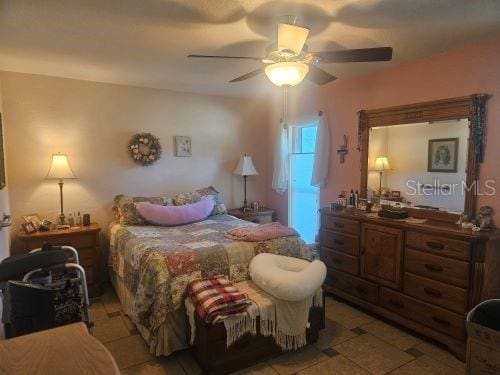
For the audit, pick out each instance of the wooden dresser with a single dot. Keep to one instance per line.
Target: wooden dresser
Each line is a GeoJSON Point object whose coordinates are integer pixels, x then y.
{"type": "Point", "coordinates": [423, 276]}
{"type": "Point", "coordinates": [84, 239]}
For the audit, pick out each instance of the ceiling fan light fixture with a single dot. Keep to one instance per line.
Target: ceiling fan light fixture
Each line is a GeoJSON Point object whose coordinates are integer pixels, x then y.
{"type": "Point", "coordinates": [286, 73]}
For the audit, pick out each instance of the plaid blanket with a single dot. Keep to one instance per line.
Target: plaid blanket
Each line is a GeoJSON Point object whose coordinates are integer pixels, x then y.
{"type": "Point", "coordinates": [215, 298]}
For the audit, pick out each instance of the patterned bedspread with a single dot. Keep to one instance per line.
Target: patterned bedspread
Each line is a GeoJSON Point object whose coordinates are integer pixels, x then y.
{"type": "Point", "coordinates": [157, 263]}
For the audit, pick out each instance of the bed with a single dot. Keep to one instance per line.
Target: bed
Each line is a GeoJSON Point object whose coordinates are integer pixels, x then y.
{"type": "Point", "coordinates": [150, 267]}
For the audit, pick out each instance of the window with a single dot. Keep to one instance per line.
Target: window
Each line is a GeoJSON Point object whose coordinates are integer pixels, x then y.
{"type": "Point", "coordinates": [303, 199]}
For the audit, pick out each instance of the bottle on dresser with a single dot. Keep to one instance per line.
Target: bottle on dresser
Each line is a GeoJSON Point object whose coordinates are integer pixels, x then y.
{"type": "Point", "coordinates": [351, 198]}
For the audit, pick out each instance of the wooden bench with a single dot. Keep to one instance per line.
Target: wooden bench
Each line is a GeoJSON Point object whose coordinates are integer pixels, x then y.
{"type": "Point", "coordinates": [214, 357]}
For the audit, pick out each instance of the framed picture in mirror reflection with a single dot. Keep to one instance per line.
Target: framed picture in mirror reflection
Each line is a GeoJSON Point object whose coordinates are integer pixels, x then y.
{"type": "Point", "coordinates": [443, 155]}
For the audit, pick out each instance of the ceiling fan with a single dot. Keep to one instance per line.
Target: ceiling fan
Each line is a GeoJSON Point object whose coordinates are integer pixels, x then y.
{"type": "Point", "coordinates": [288, 61]}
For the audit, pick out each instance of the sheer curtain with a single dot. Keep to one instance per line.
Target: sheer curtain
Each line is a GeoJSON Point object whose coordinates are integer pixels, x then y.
{"type": "Point", "coordinates": [281, 173]}
{"type": "Point", "coordinates": [322, 153]}
{"type": "Point", "coordinates": [321, 157]}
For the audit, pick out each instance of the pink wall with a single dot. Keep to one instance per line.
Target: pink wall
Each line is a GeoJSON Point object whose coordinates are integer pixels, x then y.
{"type": "Point", "coordinates": [457, 73]}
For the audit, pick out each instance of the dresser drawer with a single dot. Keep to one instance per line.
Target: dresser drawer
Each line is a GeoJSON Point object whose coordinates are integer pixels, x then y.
{"type": "Point", "coordinates": [439, 245]}
{"type": "Point", "coordinates": [438, 268]}
{"type": "Point", "coordinates": [341, 242]}
{"type": "Point", "coordinates": [340, 261]}
{"type": "Point", "coordinates": [435, 292]}
{"type": "Point", "coordinates": [353, 285]}
{"type": "Point", "coordinates": [435, 317]}
{"type": "Point", "coordinates": [340, 224]}
{"type": "Point", "coordinates": [77, 241]}
{"type": "Point", "coordinates": [260, 219]}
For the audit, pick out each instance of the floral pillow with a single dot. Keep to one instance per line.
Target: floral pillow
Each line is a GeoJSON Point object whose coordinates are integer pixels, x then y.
{"type": "Point", "coordinates": [125, 211]}
{"type": "Point", "coordinates": [193, 197]}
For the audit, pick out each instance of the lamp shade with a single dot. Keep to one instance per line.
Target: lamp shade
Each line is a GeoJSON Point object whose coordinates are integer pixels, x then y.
{"type": "Point", "coordinates": [381, 164]}
{"type": "Point", "coordinates": [286, 73]}
{"type": "Point", "coordinates": [245, 167]}
{"type": "Point", "coordinates": [291, 37]}
{"type": "Point", "coordinates": [59, 168]}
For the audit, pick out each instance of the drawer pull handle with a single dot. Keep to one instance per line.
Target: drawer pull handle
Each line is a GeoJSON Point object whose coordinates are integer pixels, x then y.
{"type": "Point", "coordinates": [432, 292]}
{"type": "Point", "coordinates": [338, 225]}
{"type": "Point", "coordinates": [441, 321]}
{"type": "Point", "coordinates": [338, 242]}
{"type": "Point", "coordinates": [397, 304]}
{"type": "Point", "coordinates": [257, 221]}
{"type": "Point", "coordinates": [435, 245]}
{"type": "Point", "coordinates": [433, 268]}
{"type": "Point", "coordinates": [361, 290]}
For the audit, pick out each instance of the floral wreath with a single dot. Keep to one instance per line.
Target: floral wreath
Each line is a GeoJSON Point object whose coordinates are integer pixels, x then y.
{"type": "Point", "coordinates": [145, 148]}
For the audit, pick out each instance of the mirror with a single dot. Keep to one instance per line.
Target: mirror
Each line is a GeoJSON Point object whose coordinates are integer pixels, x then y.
{"type": "Point", "coordinates": [427, 154]}
{"type": "Point", "coordinates": [420, 164]}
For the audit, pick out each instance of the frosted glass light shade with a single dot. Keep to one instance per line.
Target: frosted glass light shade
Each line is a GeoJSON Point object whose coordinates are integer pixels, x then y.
{"type": "Point", "coordinates": [286, 73]}
{"type": "Point", "coordinates": [59, 168]}
{"type": "Point", "coordinates": [245, 167]}
{"type": "Point", "coordinates": [381, 164]}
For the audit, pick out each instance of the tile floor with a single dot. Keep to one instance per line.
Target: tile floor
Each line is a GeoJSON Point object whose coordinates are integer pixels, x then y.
{"type": "Point", "coordinates": [353, 342]}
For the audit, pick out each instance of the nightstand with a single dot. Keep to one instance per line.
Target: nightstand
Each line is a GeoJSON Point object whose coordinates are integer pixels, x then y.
{"type": "Point", "coordinates": [84, 239]}
{"type": "Point", "coordinates": [263, 216]}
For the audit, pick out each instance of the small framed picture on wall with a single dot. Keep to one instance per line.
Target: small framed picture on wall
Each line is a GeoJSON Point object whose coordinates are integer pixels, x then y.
{"type": "Point", "coordinates": [442, 155]}
{"type": "Point", "coordinates": [182, 146]}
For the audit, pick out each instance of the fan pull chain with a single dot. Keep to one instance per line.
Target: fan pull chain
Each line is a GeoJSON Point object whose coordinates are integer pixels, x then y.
{"type": "Point", "coordinates": [285, 100]}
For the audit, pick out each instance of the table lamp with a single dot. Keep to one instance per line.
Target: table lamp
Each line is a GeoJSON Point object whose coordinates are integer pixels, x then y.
{"type": "Point", "coordinates": [245, 168]}
{"type": "Point", "coordinates": [60, 170]}
{"type": "Point", "coordinates": [380, 165]}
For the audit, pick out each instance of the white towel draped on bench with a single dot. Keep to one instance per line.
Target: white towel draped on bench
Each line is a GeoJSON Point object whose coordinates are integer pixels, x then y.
{"type": "Point", "coordinates": [284, 320]}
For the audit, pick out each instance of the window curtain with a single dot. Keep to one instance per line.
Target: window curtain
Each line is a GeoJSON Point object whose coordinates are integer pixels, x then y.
{"type": "Point", "coordinates": [322, 153]}
{"type": "Point", "coordinates": [281, 173]}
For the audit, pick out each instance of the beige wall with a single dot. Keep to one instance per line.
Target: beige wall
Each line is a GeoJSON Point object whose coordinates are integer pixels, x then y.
{"type": "Point", "coordinates": [4, 232]}
{"type": "Point", "coordinates": [93, 123]}
{"type": "Point", "coordinates": [4, 206]}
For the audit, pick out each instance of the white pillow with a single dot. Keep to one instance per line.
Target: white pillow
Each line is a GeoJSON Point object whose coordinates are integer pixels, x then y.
{"type": "Point", "coordinates": [287, 278]}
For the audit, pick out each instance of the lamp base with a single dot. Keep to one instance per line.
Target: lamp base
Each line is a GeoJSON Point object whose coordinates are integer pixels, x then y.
{"type": "Point", "coordinates": [61, 216]}
{"type": "Point", "coordinates": [245, 207]}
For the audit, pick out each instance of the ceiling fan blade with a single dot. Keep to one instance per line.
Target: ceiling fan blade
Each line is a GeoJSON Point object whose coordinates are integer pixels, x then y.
{"type": "Point", "coordinates": [227, 57]}
{"type": "Point", "coordinates": [319, 76]}
{"type": "Point", "coordinates": [291, 37]}
{"type": "Point", "coordinates": [248, 75]}
{"type": "Point", "coordinates": [355, 55]}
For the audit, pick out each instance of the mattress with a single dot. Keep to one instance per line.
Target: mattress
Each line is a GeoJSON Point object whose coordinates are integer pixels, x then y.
{"type": "Point", "coordinates": [155, 264]}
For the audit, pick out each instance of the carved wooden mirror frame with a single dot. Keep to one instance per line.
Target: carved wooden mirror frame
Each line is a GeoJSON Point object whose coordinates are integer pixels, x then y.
{"type": "Point", "coordinates": [472, 107]}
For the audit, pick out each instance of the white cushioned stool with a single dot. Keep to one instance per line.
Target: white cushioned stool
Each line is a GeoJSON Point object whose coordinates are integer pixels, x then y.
{"type": "Point", "coordinates": [286, 278]}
